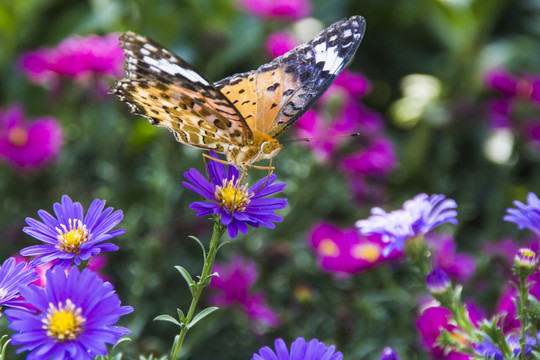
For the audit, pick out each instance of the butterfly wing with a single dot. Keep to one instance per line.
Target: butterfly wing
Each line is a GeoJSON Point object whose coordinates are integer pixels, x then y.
{"type": "Point", "coordinates": [171, 93]}
{"type": "Point", "coordinates": [277, 94]}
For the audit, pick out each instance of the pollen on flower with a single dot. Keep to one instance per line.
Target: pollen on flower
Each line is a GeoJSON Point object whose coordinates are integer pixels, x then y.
{"type": "Point", "coordinates": [64, 323]}
{"type": "Point", "coordinates": [232, 197]}
{"type": "Point", "coordinates": [18, 136]}
{"type": "Point", "coordinates": [328, 247]}
{"type": "Point", "coordinates": [70, 240]}
{"type": "Point", "coordinates": [369, 252]}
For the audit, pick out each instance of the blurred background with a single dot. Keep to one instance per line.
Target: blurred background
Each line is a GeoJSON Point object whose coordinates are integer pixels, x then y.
{"type": "Point", "coordinates": [445, 94]}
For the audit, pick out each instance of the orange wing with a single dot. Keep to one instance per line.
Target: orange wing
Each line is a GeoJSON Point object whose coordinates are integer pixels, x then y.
{"type": "Point", "coordinates": [277, 94]}
{"type": "Point", "coordinates": [171, 93]}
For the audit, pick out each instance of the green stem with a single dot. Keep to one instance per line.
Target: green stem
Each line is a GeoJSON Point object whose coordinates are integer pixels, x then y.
{"type": "Point", "coordinates": [217, 233]}
{"type": "Point", "coordinates": [523, 299]}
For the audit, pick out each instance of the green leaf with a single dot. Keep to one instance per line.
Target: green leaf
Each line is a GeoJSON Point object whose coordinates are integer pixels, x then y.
{"type": "Point", "coordinates": [202, 315]}
{"type": "Point", "coordinates": [223, 243]}
{"type": "Point", "coordinates": [185, 274]}
{"type": "Point", "coordinates": [167, 318]}
{"type": "Point", "coordinates": [4, 347]}
{"type": "Point", "coordinates": [181, 315]}
{"type": "Point", "coordinates": [200, 244]}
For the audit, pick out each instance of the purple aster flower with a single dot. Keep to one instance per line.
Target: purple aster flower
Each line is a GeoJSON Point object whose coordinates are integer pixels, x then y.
{"type": "Point", "coordinates": [238, 205]}
{"type": "Point", "coordinates": [28, 144]}
{"type": "Point", "coordinates": [75, 317]}
{"type": "Point", "coordinates": [389, 354]}
{"type": "Point", "coordinates": [283, 9]}
{"type": "Point", "coordinates": [487, 350]}
{"type": "Point", "coordinates": [445, 256]}
{"type": "Point", "coordinates": [300, 350]}
{"type": "Point", "coordinates": [72, 237]}
{"type": "Point", "coordinates": [233, 288]}
{"type": "Point", "coordinates": [526, 216]}
{"type": "Point", "coordinates": [12, 277]}
{"type": "Point", "coordinates": [418, 216]}
{"type": "Point", "coordinates": [77, 57]}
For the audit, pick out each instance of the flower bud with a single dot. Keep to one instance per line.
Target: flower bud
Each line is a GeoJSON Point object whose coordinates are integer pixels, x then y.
{"type": "Point", "coordinates": [526, 259]}
{"type": "Point", "coordinates": [389, 354]}
{"type": "Point", "coordinates": [437, 281]}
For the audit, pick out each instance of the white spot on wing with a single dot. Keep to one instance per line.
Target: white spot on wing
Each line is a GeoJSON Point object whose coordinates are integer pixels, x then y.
{"type": "Point", "coordinates": [175, 69]}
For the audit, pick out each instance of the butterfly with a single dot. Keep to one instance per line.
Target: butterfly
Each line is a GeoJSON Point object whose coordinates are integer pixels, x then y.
{"type": "Point", "coordinates": [242, 115]}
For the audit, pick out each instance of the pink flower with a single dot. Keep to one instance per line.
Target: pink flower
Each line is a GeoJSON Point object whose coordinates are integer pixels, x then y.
{"type": "Point", "coordinates": [233, 288]}
{"type": "Point", "coordinates": [281, 9]}
{"type": "Point", "coordinates": [344, 251]}
{"type": "Point", "coordinates": [445, 256]}
{"type": "Point", "coordinates": [77, 57]}
{"type": "Point", "coordinates": [510, 86]}
{"type": "Point", "coordinates": [378, 159]}
{"type": "Point", "coordinates": [280, 43]}
{"type": "Point", "coordinates": [28, 144]}
{"type": "Point", "coordinates": [507, 304]}
{"type": "Point", "coordinates": [430, 323]}
{"type": "Point", "coordinates": [355, 84]}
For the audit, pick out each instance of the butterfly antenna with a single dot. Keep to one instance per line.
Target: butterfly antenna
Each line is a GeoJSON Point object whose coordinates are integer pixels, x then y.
{"type": "Point", "coordinates": [321, 138]}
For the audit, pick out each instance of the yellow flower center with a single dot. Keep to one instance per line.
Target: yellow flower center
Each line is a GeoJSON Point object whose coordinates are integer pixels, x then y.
{"type": "Point", "coordinates": [18, 136]}
{"type": "Point", "coordinates": [328, 247]}
{"type": "Point", "coordinates": [70, 240]}
{"type": "Point", "coordinates": [368, 252]}
{"type": "Point", "coordinates": [64, 323]}
{"type": "Point", "coordinates": [232, 197]}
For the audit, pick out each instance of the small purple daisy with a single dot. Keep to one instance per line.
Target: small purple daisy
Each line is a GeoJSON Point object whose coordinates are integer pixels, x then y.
{"type": "Point", "coordinates": [418, 216]}
{"type": "Point", "coordinates": [72, 237]}
{"type": "Point", "coordinates": [526, 215]}
{"type": "Point", "coordinates": [238, 205]}
{"type": "Point", "coordinates": [300, 350]}
{"type": "Point", "coordinates": [75, 317]}
{"type": "Point", "coordinates": [13, 276]}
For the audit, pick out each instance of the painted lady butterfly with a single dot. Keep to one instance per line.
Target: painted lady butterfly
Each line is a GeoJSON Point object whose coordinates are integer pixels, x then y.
{"type": "Point", "coordinates": [242, 115]}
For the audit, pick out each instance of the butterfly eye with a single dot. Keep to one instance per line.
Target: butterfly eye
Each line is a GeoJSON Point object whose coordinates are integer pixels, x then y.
{"type": "Point", "coordinates": [267, 147]}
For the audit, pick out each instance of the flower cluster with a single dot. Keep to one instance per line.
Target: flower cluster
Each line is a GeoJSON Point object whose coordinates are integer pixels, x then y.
{"type": "Point", "coordinates": [516, 95]}
{"type": "Point", "coordinates": [28, 144]}
{"type": "Point", "coordinates": [233, 288]}
{"type": "Point", "coordinates": [236, 204]}
{"type": "Point", "coordinates": [77, 57]}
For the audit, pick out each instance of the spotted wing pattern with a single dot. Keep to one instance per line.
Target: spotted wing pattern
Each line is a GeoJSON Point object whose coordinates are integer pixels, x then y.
{"type": "Point", "coordinates": [277, 94]}
{"type": "Point", "coordinates": [171, 93]}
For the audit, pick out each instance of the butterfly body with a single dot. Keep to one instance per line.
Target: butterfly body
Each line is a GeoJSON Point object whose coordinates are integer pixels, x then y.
{"type": "Point", "coordinates": [242, 115]}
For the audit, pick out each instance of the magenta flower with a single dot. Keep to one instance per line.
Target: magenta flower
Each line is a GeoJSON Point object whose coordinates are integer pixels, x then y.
{"type": "Point", "coordinates": [445, 256]}
{"type": "Point", "coordinates": [430, 323]}
{"type": "Point", "coordinates": [344, 251]}
{"type": "Point", "coordinates": [507, 305]}
{"type": "Point", "coordinates": [378, 159]}
{"type": "Point", "coordinates": [28, 144]}
{"type": "Point", "coordinates": [233, 288]}
{"type": "Point", "coordinates": [77, 57]}
{"type": "Point", "coordinates": [281, 9]}
{"type": "Point", "coordinates": [355, 84]}
{"type": "Point", "coordinates": [510, 86]}
{"type": "Point", "coordinates": [281, 42]}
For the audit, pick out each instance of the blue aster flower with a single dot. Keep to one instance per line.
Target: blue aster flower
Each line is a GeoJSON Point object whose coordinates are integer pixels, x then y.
{"type": "Point", "coordinates": [238, 205]}
{"type": "Point", "coordinates": [72, 237]}
{"type": "Point", "coordinates": [526, 216]}
{"type": "Point", "coordinates": [75, 317]}
{"type": "Point", "coordinates": [487, 350]}
{"type": "Point", "coordinates": [389, 354]}
{"type": "Point", "coordinates": [418, 216]}
{"type": "Point", "coordinates": [13, 276]}
{"type": "Point", "coordinates": [300, 350]}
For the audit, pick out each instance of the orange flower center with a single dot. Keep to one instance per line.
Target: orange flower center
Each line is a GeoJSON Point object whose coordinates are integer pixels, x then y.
{"type": "Point", "coordinates": [18, 136]}
{"type": "Point", "coordinates": [328, 247]}
{"type": "Point", "coordinates": [368, 252]}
